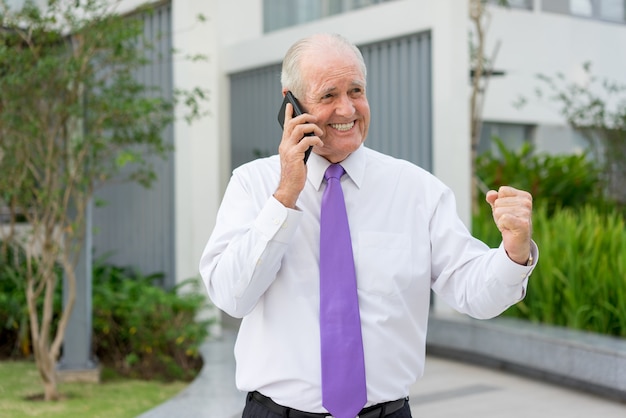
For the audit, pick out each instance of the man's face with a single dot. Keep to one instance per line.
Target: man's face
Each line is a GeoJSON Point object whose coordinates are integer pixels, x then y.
{"type": "Point", "coordinates": [336, 96]}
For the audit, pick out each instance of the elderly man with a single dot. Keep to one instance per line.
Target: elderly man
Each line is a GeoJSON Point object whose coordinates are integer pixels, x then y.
{"type": "Point", "coordinates": [331, 262]}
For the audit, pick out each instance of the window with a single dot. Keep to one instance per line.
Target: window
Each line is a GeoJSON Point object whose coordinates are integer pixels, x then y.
{"type": "Point", "coordinates": [279, 14]}
{"type": "Point", "coordinates": [613, 10]}
{"type": "Point", "coordinates": [581, 8]}
{"type": "Point", "coordinates": [515, 4]}
{"type": "Point", "coordinates": [18, 4]}
{"type": "Point", "coordinates": [513, 136]}
{"type": "Point", "coordinates": [609, 10]}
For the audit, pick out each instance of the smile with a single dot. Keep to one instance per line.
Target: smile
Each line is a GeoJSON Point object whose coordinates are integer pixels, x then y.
{"type": "Point", "coordinates": [342, 126]}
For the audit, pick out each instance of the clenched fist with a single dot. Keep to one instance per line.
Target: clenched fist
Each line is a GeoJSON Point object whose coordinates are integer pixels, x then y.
{"type": "Point", "coordinates": [512, 213]}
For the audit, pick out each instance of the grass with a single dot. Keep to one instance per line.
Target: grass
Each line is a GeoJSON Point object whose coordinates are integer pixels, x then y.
{"type": "Point", "coordinates": [115, 397]}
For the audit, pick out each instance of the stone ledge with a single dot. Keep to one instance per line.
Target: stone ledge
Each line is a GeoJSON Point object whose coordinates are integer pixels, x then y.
{"type": "Point", "coordinates": [80, 375]}
{"type": "Point", "coordinates": [589, 362]}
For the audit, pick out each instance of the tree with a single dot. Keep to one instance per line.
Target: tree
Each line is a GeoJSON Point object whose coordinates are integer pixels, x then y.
{"type": "Point", "coordinates": [597, 109]}
{"type": "Point", "coordinates": [72, 117]}
{"type": "Point", "coordinates": [481, 70]}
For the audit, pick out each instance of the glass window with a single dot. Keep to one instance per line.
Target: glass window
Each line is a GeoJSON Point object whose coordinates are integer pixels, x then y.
{"type": "Point", "coordinates": [18, 4]}
{"type": "Point", "coordinates": [556, 6]}
{"type": "Point", "coordinates": [515, 4]}
{"type": "Point", "coordinates": [279, 14]}
{"type": "Point", "coordinates": [513, 135]}
{"type": "Point", "coordinates": [581, 7]}
{"type": "Point", "coordinates": [15, 4]}
{"type": "Point", "coordinates": [613, 10]}
{"type": "Point", "coordinates": [609, 10]}
{"type": "Point", "coordinates": [521, 4]}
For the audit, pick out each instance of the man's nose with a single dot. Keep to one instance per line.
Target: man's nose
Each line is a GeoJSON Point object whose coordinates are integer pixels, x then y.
{"type": "Point", "coordinates": [345, 107]}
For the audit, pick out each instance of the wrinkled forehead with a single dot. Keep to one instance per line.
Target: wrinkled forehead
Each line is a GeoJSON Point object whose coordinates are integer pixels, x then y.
{"type": "Point", "coordinates": [330, 76]}
{"type": "Point", "coordinates": [321, 65]}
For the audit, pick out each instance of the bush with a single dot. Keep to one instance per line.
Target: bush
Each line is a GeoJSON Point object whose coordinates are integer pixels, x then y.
{"type": "Point", "coordinates": [139, 329]}
{"type": "Point", "coordinates": [580, 280]}
{"type": "Point", "coordinates": [561, 181]}
{"type": "Point", "coordinates": [15, 339]}
{"type": "Point", "coordinates": [13, 311]}
{"type": "Point", "coordinates": [144, 331]}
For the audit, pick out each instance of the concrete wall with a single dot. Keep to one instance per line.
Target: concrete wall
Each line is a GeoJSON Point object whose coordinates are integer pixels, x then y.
{"type": "Point", "coordinates": [244, 46]}
{"type": "Point", "coordinates": [235, 42]}
{"type": "Point", "coordinates": [537, 42]}
{"type": "Point", "coordinates": [232, 37]}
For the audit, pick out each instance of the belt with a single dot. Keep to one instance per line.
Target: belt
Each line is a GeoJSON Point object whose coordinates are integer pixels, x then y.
{"type": "Point", "coordinates": [373, 411]}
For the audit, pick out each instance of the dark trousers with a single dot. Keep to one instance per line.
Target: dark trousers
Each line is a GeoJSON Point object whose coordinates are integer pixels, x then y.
{"type": "Point", "coordinates": [254, 409]}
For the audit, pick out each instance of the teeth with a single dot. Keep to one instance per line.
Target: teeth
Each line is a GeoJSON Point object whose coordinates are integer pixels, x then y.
{"type": "Point", "coordinates": [342, 126]}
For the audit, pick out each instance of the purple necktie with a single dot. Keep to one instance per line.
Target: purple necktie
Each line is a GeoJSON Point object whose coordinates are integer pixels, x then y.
{"type": "Point", "coordinates": [343, 368]}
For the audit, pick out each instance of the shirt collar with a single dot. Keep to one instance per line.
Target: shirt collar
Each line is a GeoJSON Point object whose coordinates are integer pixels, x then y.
{"type": "Point", "coordinates": [354, 166]}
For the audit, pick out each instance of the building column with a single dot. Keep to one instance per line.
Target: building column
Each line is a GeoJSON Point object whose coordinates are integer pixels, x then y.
{"type": "Point", "coordinates": [77, 362]}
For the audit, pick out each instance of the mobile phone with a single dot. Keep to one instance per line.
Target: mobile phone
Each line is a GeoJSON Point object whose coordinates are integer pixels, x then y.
{"type": "Point", "coordinates": [297, 110]}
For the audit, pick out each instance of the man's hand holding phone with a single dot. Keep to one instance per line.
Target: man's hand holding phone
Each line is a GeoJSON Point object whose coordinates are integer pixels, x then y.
{"type": "Point", "coordinates": [300, 134]}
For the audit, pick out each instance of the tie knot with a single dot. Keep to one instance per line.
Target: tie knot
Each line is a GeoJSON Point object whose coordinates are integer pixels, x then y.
{"type": "Point", "coordinates": [334, 171]}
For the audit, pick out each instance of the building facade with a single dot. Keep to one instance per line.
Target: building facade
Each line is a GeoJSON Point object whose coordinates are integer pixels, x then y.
{"type": "Point", "coordinates": [417, 53]}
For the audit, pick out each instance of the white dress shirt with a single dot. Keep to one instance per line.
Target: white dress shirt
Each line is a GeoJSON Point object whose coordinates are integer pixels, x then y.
{"type": "Point", "coordinates": [261, 263]}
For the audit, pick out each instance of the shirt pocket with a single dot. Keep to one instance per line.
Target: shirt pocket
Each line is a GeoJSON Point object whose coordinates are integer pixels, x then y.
{"type": "Point", "coordinates": [383, 262]}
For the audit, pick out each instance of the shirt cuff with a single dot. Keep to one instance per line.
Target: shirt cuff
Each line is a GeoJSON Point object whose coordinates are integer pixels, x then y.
{"type": "Point", "coordinates": [517, 272]}
{"type": "Point", "coordinates": [277, 222]}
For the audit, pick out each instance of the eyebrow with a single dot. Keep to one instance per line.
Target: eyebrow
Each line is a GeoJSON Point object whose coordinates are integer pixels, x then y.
{"type": "Point", "coordinates": [357, 83]}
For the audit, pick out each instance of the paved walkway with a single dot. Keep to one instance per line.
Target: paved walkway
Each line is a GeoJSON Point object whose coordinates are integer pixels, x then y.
{"type": "Point", "coordinates": [448, 389]}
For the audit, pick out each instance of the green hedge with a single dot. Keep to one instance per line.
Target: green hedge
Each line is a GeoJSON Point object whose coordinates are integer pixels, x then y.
{"type": "Point", "coordinates": [143, 330]}
{"type": "Point", "coordinates": [580, 281]}
{"type": "Point", "coordinates": [139, 328]}
{"type": "Point", "coordinates": [560, 181]}
{"type": "Point", "coordinates": [14, 323]}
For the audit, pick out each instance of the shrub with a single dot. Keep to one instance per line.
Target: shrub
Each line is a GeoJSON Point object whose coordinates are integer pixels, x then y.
{"type": "Point", "coordinates": [580, 280]}
{"type": "Point", "coordinates": [139, 329]}
{"type": "Point", "coordinates": [15, 339]}
{"type": "Point", "coordinates": [13, 312]}
{"type": "Point", "coordinates": [144, 331]}
{"type": "Point", "coordinates": [561, 181]}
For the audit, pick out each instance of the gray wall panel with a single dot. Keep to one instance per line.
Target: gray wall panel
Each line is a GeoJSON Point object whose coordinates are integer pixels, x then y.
{"type": "Point", "coordinates": [255, 100]}
{"type": "Point", "coordinates": [399, 90]}
{"type": "Point", "coordinates": [136, 226]}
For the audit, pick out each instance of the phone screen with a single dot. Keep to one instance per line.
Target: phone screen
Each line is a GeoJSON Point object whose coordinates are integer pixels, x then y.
{"type": "Point", "coordinates": [297, 110]}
